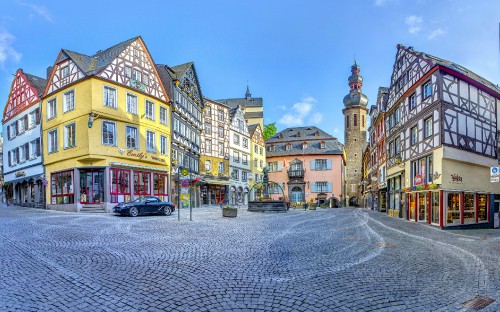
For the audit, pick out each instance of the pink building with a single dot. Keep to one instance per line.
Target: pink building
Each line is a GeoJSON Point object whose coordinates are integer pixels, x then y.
{"type": "Point", "coordinates": [305, 163]}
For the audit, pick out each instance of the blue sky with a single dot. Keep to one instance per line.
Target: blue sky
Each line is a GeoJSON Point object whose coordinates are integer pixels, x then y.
{"type": "Point", "coordinates": [294, 54]}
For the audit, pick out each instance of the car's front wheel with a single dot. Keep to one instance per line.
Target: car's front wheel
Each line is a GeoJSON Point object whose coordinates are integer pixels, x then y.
{"type": "Point", "coordinates": [133, 212]}
{"type": "Point", "coordinates": [167, 210]}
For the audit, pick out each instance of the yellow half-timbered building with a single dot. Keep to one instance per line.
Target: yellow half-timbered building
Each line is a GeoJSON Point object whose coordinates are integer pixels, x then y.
{"type": "Point", "coordinates": [106, 129]}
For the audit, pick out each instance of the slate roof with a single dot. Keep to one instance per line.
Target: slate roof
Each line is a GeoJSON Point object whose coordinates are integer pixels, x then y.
{"type": "Point", "coordinates": [93, 64]}
{"type": "Point", "coordinates": [454, 67]}
{"type": "Point", "coordinates": [37, 82]}
{"type": "Point", "coordinates": [307, 134]}
{"type": "Point", "coordinates": [181, 69]}
{"type": "Point", "coordinates": [254, 115]}
{"type": "Point", "coordinates": [251, 129]}
{"type": "Point", "coordinates": [250, 102]}
{"type": "Point", "coordinates": [166, 78]}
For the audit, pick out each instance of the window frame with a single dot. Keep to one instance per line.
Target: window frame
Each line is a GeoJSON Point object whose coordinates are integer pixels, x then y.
{"type": "Point", "coordinates": [113, 134]}
{"type": "Point", "coordinates": [71, 107]}
{"type": "Point", "coordinates": [149, 114]}
{"type": "Point", "coordinates": [426, 87]}
{"type": "Point", "coordinates": [110, 101]}
{"type": "Point", "coordinates": [51, 108]}
{"type": "Point", "coordinates": [52, 141]}
{"type": "Point", "coordinates": [413, 135]}
{"type": "Point", "coordinates": [164, 110]}
{"type": "Point", "coordinates": [67, 133]}
{"type": "Point", "coordinates": [132, 107]}
{"type": "Point", "coordinates": [163, 145]}
{"type": "Point", "coordinates": [428, 125]}
{"type": "Point", "coordinates": [151, 149]}
{"type": "Point", "coordinates": [136, 138]}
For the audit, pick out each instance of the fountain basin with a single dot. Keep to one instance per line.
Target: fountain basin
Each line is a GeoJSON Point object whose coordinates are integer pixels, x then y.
{"type": "Point", "coordinates": [267, 205]}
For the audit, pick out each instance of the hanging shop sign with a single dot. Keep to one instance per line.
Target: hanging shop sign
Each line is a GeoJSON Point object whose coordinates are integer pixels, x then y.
{"type": "Point", "coordinates": [417, 180]}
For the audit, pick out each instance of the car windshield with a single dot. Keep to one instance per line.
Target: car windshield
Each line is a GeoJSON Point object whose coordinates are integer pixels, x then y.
{"type": "Point", "coordinates": [140, 199]}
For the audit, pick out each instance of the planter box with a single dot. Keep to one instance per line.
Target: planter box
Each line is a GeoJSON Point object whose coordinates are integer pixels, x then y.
{"type": "Point", "coordinates": [229, 212]}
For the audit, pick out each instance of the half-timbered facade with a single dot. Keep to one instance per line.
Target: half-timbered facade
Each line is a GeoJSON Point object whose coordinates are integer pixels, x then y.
{"type": "Point", "coordinates": [239, 157]}
{"type": "Point", "coordinates": [22, 160]}
{"type": "Point", "coordinates": [257, 158]}
{"type": "Point", "coordinates": [181, 83]}
{"type": "Point", "coordinates": [214, 159]}
{"type": "Point", "coordinates": [442, 139]}
{"type": "Point", "coordinates": [106, 129]}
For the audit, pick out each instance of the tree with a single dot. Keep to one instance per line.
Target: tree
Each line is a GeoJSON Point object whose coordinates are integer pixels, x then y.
{"type": "Point", "coordinates": [270, 130]}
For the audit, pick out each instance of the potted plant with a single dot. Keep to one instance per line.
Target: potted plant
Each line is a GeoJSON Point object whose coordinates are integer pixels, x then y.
{"type": "Point", "coordinates": [228, 211]}
{"type": "Point", "coordinates": [311, 204]}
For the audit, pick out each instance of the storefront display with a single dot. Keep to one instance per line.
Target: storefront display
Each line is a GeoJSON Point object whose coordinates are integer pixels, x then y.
{"type": "Point", "coordinates": [453, 208]}
{"type": "Point", "coordinates": [413, 206]}
{"type": "Point", "coordinates": [422, 207]}
{"type": "Point", "coordinates": [482, 211]}
{"type": "Point", "coordinates": [469, 211]}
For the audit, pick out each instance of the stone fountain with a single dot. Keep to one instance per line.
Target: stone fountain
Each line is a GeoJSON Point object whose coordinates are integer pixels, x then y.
{"type": "Point", "coordinates": [266, 203]}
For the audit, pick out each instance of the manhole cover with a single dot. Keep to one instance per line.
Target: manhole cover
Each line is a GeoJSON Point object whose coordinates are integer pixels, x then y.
{"type": "Point", "coordinates": [478, 303]}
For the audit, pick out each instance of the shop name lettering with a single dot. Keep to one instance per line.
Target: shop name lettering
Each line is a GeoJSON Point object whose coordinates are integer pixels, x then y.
{"type": "Point", "coordinates": [142, 155]}
{"type": "Point", "coordinates": [456, 178]}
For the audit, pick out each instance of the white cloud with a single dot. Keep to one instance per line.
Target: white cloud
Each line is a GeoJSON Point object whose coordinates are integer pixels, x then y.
{"type": "Point", "coordinates": [336, 131]}
{"type": "Point", "coordinates": [379, 2]}
{"type": "Point", "coordinates": [315, 119]}
{"type": "Point", "coordinates": [282, 107]}
{"type": "Point", "coordinates": [7, 52]}
{"type": "Point", "coordinates": [301, 111]}
{"type": "Point", "coordinates": [436, 33]}
{"type": "Point", "coordinates": [415, 23]}
{"type": "Point", "coordinates": [39, 10]}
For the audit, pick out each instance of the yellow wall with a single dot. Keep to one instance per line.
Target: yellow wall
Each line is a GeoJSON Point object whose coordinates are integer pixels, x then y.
{"type": "Point", "coordinates": [89, 150]}
{"type": "Point", "coordinates": [215, 165]}
{"type": "Point", "coordinates": [473, 177]}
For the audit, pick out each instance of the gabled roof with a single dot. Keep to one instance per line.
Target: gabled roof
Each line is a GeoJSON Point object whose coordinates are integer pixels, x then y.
{"type": "Point", "coordinates": [252, 128]}
{"type": "Point", "coordinates": [166, 78]}
{"type": "Point", "coordinates": [90, 65]}
{"type": "Point", "coordinates": [37, 82]}
{"type": "Point", "coordinates": [181, 69]}
{"type": "Point", "coordinates": [452, 66]}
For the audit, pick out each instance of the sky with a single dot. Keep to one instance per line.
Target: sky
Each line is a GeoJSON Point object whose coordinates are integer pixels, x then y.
{"type": "Point", "coordinates": [295, 54]}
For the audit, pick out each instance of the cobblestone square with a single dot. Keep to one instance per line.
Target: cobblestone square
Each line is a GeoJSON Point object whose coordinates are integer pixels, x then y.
{"type": "Point", "coordinates": [324, 260]}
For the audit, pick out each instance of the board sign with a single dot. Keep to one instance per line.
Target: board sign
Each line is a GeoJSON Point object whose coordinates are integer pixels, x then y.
{"type": "Point", "coordinates": [184, 183]}
{"type": "Point", "coordinates": [495, 171]}
{"type": "Point", "coordinates": [417, 180]}
{"type": "Point", "coordinates": [184, 172]}
{"type": "Point", "coordinates": [495, 179]}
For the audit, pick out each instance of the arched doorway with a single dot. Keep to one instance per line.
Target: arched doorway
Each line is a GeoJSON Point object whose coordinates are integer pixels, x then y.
{"type": "Point", "coordinates": [296, 194]}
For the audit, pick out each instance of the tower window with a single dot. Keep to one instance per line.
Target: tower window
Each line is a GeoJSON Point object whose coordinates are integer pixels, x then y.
{"type": "Point", "coordinates": [347, 121]}
{"type": "Point", "coordinates": [355, 120]}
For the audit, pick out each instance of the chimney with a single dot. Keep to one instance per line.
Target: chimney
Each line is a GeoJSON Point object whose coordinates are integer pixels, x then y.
{"type": "Point", "coordinates": [49, 70]}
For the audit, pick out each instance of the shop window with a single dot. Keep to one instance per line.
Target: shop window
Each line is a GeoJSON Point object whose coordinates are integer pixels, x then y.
{"type": "Point", "coordinates": [160, 188]}
{"type": "Point", "coordinates": [469, 208]}
{"type": "Point", "coordinates": [482, 211]}
{"type": "Point", "coordinates": [62, 187]}
{"type": "Point", "coordinates": [453, 208]}
{"type": "Point", "coordinates": [120, 185]}
{"type": "Point", "coordinates": [141, 183]}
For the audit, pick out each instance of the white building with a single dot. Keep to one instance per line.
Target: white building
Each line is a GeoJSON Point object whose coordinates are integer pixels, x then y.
{"type": "Point", "coordinates": [22, 161]}
{"type": "Point", "coordinates": [239, 157]}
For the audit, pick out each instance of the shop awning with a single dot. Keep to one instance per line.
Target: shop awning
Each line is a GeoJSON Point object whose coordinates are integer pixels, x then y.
{"type": "Point", "coordinates": [394, 175]}
{"type": "Point", "coordinates": [217, 182]}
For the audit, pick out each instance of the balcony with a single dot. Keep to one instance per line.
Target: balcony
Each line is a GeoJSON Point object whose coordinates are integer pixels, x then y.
{"type": "Point", "coordinates": [297, 173]}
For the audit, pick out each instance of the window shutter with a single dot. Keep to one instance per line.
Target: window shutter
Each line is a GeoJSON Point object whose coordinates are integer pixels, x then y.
{"type": "Point", "coordinates": [329, 187]}
{"type": "Point", "coordinates": [37, 116]}
{"type": "Point", "coordinates": [313, 164]}
{"type": "Point", "coordinates": [10, 159]}
{"type": "Point", "coordinates": [25, 122]}
{"type": "Point", "coordinates": [328, 164]}
{"type": "Point", "coordinates": [313, 187]}
{"type": "Point", "coordinates": [8, 132]}
{"type": "Point", "coordinates": [17, 155]}
{"type": "Point", "coordinates": [280, 165]}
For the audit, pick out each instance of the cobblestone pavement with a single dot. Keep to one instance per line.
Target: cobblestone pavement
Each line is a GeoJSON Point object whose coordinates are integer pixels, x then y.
{"type": "Point", "coordinates": [324, 260]}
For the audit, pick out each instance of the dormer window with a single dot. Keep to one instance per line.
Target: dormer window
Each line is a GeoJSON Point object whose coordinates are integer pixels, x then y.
{"type": "Point", "coordinates": [298, 134]}
{"type": "Point", "coordinates": [316, 133]}
{"type": "Point", "coordinates": [288, 147]}
{"type": "Point", "coordinates": [281, 135]}
{"type": "Point", "coordinates": [304, 145]}
{"type": "Point", "coordinates": [271, 148]}
{"type": "Point", "coordinates": [322, 145]}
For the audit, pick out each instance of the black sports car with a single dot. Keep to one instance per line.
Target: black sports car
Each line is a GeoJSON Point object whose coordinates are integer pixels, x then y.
{"type": "Point", "coordinates": [145, 205]}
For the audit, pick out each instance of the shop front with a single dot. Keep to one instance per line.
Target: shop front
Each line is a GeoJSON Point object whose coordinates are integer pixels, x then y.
{"type": "Point", "coordinates": [214, 191]}
{"type": "Point", "coordinates": [395, 197]}
{"type": "Point", "coordinates": [104, 187]}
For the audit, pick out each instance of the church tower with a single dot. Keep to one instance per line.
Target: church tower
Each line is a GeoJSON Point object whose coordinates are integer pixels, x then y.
{"type": "Point", "coordinates": [355, 112]}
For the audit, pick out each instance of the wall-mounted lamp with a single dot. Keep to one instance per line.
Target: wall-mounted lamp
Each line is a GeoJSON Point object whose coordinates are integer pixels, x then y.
{"type": "Point", "coordinates": [92, 117]}
{"type": "Point", "coordinates": [399, 162]}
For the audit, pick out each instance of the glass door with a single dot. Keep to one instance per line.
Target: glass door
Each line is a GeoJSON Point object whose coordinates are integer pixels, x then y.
{"type": "Point", "coordinates": [92, 186]}
{"type": "Point", "coordinates": [422, 206]}
{"type": "Point", "coordinates": [435, 208]}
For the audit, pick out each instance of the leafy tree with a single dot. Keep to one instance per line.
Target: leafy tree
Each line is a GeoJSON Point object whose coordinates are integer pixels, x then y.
{"type": "Point", "coordinates": [270, 130]}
